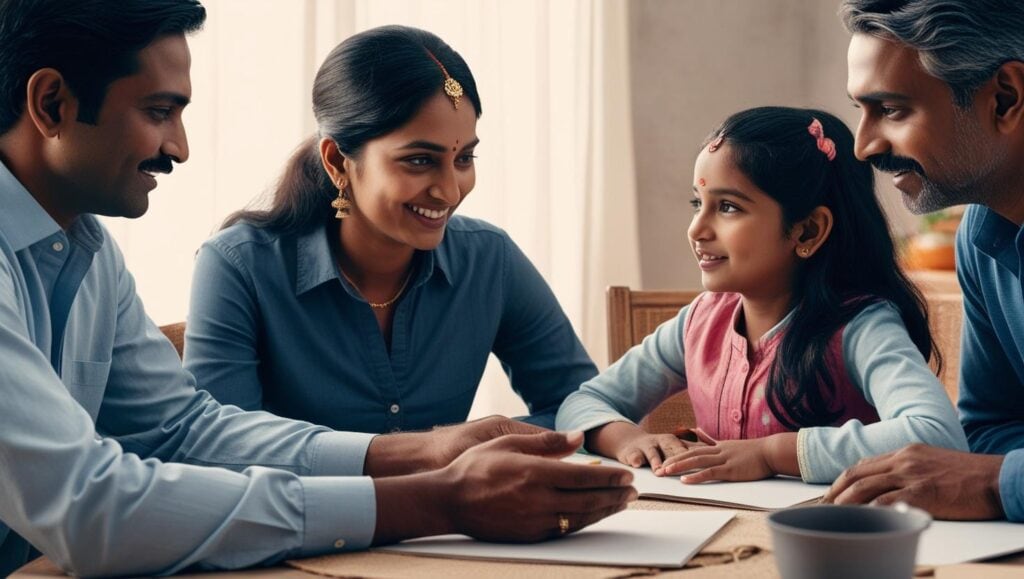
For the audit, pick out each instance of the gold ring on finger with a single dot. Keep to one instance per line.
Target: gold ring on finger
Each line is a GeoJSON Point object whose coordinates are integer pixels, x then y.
{"type": "Point", "coordinates": [563, 524]}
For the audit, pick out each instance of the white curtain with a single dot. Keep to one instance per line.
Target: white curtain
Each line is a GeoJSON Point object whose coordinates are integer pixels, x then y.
{"type": "Point", "coordinates": [555, 165]}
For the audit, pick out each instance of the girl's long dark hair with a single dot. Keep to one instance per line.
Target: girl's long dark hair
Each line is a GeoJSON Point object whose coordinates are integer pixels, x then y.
{"type": "Point", "coordinates": [369, 85]}
{"type": "Point", "coordinates": [855, 266]}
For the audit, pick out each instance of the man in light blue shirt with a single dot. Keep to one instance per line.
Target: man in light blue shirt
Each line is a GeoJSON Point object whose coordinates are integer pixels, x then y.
{"type": "Point", "coordinates": [941, 88]}
{"type": "Point", "coordinates": [106, 447]}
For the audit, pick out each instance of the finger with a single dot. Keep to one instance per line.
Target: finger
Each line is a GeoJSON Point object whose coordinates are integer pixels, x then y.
{"type": "Point", "coordinates": [671, 446]}
{"type": "Point", "coordinates": [509, 426]}
{"type": "Point", "coordinates": [653, 455]}
{"type": "Point", "coordinates": [706, 475]}
{"type": "Point", "coordinates": [866, 490]}
{"type": "Point", "coordinates": [694, 462]}
{"type": "Point", "coordinates": [634, 457]}
{"type": "Point", "coordinates": [549, 444]}
{"type": "Point", "coordinates": [866, 467]}
{"type": "Point", "coordinates": [581, 502]}
{"type": "Point", "coordinates": [689, 453]}
{"type": "Point", "coordinates": [570, 476]}
{"type": "Point", "coordinates": [704, 436]}
{"type": "Point", "coordinates": [577, 522]}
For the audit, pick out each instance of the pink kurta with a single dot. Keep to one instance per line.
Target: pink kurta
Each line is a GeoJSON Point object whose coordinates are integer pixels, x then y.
{"type": "Point", "coordinates": [727, 382]}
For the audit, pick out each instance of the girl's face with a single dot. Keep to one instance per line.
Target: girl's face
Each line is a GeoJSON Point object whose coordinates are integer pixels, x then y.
{"type": "Point", "coordinates": [737, 231]}
{"type": "Point", "coordinates": [406, 184]}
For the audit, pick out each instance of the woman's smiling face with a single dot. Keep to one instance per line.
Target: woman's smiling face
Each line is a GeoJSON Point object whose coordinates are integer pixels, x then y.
{"type": "Point", "coordinates": [406, 184]}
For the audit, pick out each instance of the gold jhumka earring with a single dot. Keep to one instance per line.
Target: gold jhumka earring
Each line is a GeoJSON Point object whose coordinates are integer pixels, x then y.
{"type": "Point", "coordinates": [342, 202]}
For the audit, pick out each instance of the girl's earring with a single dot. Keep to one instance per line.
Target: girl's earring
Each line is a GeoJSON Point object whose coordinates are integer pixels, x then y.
{"type": "Point", "coordinates": [804, 252]}
{"type": "Point", "coordinates": [342, 202]}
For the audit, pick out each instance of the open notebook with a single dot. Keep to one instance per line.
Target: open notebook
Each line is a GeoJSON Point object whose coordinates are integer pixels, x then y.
{"type": "Point", "coordinates": [631, 538]}
{"type": "Point", "coordinates": [763, 495]}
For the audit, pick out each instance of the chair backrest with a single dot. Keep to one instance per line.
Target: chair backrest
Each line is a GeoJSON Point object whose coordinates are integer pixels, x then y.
{"type": "Point", "coordinates": [632, 315]}
{"type": "Point", "coordinates": [176, 334]}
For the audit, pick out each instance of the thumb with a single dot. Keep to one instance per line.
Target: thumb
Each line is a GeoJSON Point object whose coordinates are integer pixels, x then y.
{"type": "Point", "coordinates": [550, 444]}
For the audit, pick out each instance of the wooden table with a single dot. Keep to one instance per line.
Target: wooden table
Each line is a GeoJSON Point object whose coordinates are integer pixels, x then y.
{"type": "Point", "coordinates": [747, 536]}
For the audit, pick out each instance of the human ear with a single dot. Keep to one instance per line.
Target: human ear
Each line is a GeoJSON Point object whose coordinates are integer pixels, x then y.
{"type": "Point", "coordinates": [811, 233]}
{"type": "Point", "coordinates": [1009, 96]}
{"type": "Point", "coordinates": [49, 102]}
{"type": "Point", "coordinates": [334, 162]}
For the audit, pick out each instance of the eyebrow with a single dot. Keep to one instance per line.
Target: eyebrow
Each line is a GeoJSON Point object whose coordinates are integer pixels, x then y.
{"type": "Point", "coordinates": [878, 96]}
{"type": "Point", "coordinates": [728, 193]}
{"type": "Point", "coordinates": [436, 147]}
{"type": "Point", "coordinates": [176, 98]}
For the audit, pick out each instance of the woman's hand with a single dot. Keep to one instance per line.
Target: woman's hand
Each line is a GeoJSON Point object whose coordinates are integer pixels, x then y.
{"type": "Point", "coordinates": [736, 460]}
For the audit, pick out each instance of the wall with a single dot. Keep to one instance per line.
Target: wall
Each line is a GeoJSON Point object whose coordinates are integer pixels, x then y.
{"type": "Point", "coordinates": [693, 63]}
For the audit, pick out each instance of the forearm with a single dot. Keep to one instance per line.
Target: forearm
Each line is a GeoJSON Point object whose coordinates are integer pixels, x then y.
{"type": "Point", "coordinates": [392, 455]}
{"type": "Point", "coordinates": [412, 506]}
{"type": "Point", "coordinates": [608, 439]}
{"type": "Point", "coordinates": [781, 453]}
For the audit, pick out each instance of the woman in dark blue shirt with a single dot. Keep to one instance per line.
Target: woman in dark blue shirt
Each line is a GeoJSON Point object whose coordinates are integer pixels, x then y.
{"type": "Point", "coordinates": [358, 300]}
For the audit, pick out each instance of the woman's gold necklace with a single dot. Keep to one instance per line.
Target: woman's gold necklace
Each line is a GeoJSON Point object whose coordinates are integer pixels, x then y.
{"type": "Point", "coordinates": [381, 305]}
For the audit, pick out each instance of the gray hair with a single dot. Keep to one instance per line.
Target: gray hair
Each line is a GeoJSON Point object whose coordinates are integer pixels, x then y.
{"type": "Point", "coordinates": [960, 42]}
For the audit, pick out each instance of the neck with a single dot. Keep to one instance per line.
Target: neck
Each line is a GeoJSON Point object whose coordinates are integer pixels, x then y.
{"type": "Point", "coordinates": [1007, 187]}
{"type": "Point", "coordinates": [762, 313]}
{"type": "Point", "coordinates": [371, 261]}
{"type": "Point", "coordinates": [23, 158]}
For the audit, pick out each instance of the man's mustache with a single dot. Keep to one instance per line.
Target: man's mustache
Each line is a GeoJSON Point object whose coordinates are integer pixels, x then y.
{"type": "Point", "coordinates": [888, 163]}
{"type": "Point", "coordinates": [161, 164]}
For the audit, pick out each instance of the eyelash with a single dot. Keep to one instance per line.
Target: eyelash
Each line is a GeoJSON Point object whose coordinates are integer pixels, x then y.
{"type": "Point", "coordinates": [733, 208]}
{"type": "Point", "coordinates": [414, 161]}
{"type": "Point", "coordinates": [160, 113]}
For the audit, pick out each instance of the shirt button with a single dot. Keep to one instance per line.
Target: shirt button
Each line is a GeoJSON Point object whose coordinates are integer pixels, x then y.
{"type": "Point", "coordinates": [395, 408]}
{"type": "Point", "coordinates": [339, 543]}
{"type": "Point", "coordinates": [57, 246]}
{"type": "Point", "coordinates": [736, 415]}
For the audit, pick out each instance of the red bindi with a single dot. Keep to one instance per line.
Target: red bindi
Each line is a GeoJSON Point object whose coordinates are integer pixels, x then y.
{"type": "Point", "coordinates": [701, 182]}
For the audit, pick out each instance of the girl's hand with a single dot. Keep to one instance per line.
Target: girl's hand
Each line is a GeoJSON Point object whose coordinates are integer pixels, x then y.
{"type": "Point", "coordinates": [730, 460]}
{"type": "Point", "coordinates": [630, 444]}
{"type": "Point", "coordinates": [737, 460]}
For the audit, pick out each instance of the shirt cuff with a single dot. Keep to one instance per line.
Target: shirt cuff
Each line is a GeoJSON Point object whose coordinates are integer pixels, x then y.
{"type": "Point", "coordinates": [802, 460]}
{"type": "Point", "coordinates": [340, 453]}
{"type": "Point", "coordinates": [1011, 485]}
{"type": "Point", "coordinates": [340, 514]}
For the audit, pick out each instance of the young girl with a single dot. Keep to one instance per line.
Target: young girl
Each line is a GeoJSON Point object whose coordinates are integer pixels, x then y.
{"type": "Point", "coordinates": [809, 350]}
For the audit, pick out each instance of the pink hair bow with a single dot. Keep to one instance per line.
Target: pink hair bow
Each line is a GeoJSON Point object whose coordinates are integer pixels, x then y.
{"type": "Point", "coordinates": [825, 144]}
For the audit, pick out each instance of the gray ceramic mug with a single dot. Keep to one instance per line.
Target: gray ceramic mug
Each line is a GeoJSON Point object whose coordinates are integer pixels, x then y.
{"type": "Point", "coordinates": [847, 542]}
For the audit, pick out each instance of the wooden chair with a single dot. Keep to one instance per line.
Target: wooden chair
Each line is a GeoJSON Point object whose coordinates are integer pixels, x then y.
{"type": "Point", "coordinates": [176, 334]}
{"type": "Point", "coordinates": [632, 315]}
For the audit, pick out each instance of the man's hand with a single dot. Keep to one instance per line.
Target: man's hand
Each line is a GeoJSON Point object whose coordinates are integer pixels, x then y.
{"type": "Point", "coordinates": [449, 442]}
{"type": "Point", "coordinates": [412, 452]}
{"type": "Point", "coordinates": [948, 484]}
{"type": "Point", "coordinates": [511, 489]}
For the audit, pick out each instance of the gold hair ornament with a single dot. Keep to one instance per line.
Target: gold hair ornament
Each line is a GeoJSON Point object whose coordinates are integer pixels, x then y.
{"type": "Point", "coordinates": [452, 88]}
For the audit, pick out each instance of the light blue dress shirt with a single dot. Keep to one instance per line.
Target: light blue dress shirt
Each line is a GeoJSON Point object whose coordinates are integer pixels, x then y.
{"type": "Point", "coordinates": [273, 325]}
{"type": "Point", "coordinates": [989, 254]}
{"type": "Point", "coordinates": [106, 447]}
{"type": "Point", "coordinates": [878, 354]}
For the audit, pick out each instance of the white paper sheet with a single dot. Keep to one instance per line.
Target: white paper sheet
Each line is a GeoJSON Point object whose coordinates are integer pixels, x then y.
{"type": "Point", "coordinates": [950, 542]}
{"type": "Point", "coordinates": [763, 495]}
{"type": "Point", "coordinates": [631, 538]}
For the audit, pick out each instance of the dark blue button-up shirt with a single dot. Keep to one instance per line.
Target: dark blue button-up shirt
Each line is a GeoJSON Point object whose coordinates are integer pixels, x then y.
{"type": "Point", "coordinates": [273, 325]}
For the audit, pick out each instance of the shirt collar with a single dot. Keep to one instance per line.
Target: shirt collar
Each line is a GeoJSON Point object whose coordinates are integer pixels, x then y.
{"type": "Point", "coordinates": [998, 238]}
{"type": "Point", "coordinates": [315, 263]}
{"type": "Point", "coordinates": [23, 221]}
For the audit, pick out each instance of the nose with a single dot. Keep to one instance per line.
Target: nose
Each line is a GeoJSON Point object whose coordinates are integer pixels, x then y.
{"type": "Point", "coordinates": [699, 229]}
{"type": "Point", "coordinates": [868, 142]}
{"type": "Point", "coordinates": [176, 143]}
{"type": "Point", "coordinates": [446, 188]}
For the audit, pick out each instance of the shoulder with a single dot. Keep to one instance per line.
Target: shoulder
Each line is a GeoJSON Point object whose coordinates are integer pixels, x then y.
{"type": "Point", "coordinates": [471, 230]}
{"type": "Point", "coordinates": [876, 316]}
{"type": "Point", "coordinates": [246, 242]}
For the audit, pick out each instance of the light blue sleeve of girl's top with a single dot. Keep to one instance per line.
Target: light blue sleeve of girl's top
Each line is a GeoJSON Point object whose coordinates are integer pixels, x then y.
{"type": "Point", "coordinates": [894, 377]}
{"type": "Point", "coordinates": [634, 385]}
